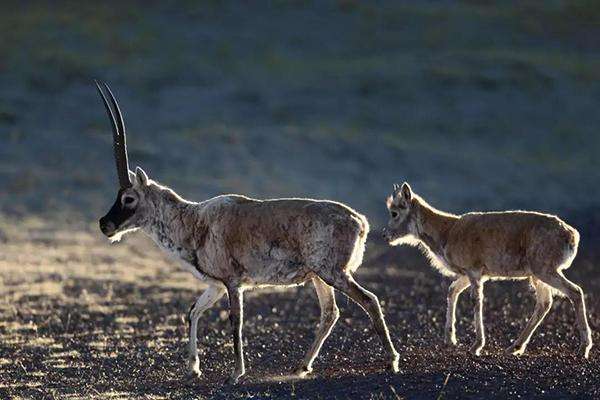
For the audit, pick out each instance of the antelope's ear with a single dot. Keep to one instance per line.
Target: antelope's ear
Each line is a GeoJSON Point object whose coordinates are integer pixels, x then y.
{"type": "Point", "coordinates": [141, 179]}
{"type": "Point", "coordinates": [406, 192]}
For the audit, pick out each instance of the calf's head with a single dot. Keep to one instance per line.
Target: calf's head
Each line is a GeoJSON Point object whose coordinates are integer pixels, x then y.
{"type": "Point", "coordinates": [401, 223]}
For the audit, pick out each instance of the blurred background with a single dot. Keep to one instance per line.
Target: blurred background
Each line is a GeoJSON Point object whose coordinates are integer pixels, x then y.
{"type": "Point", "coordinates": [478, 104]}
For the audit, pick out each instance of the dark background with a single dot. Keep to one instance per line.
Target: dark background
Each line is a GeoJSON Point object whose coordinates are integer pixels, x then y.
{"type": "Point", "coordinates": [480, 105]}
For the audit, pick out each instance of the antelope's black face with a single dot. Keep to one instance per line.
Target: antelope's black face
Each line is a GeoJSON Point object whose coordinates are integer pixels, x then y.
{"type": "Point", "coordinates": [126, 214]}
{"type": "Point", "coordinates": [121, 217]}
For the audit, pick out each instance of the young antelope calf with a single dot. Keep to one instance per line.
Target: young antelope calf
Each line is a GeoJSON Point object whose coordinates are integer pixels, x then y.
{"type": "Point", "coordinates": [474, 247]}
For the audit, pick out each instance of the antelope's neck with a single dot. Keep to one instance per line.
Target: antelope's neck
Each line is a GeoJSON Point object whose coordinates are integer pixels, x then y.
{"type": "Point", "coordinates": [176, 227]}
{"type": "Point", "coordinates": [433, 227]}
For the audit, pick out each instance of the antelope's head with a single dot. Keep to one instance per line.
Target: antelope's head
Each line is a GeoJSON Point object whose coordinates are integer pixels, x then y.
{"type": "Point", "coordinates": [129, 209]}
{"type": "Point", "coordinates": [400, 206]}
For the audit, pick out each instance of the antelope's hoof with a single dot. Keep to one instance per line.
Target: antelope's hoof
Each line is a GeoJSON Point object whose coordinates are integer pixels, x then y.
{"type": "Point", "coordinates": [450, 341]}
{"type": "Point", "coordinates": [193, 375]}
{"type": "Point", "coordinates": [476, 349]}
{"type": "Point", "coordinates": [302, 371]}
{"type": "Point", "coordinates": [234, 379]}
{"type": "Point", "coordinates": [194, 368]}
{"type": "Point", "coordinates": [515, 350]}
{"type": "Point", "coordinates": [584, 349]}
{"type": "Point", "coordinates": [393, 367]}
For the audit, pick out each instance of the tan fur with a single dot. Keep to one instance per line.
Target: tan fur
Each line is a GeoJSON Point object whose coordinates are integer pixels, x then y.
{"type": "Point", "coordinates": [475, 247]}
{"type": "Point", "coordinates": [234, 242]}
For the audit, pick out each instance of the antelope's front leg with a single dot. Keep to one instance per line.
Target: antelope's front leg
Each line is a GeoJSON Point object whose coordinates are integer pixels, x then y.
{"type": "Point", "coordinates": [236, 316]}
{"type": "Point", "coordinates": [477, 293]}
{"type": "Point", "coordinates": [203, 303]}
{"type": "Point", "coordinates": [454, 291]}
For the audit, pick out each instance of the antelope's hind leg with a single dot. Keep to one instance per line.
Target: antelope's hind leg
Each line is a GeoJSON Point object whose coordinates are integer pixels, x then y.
{"type": "Point", "coordinates": [346, 284]}
{"type": "Point", "coordinates": [329, 315]}
{"type": "Point", "coordinates": [543, 304]}
{"type": "Point", "coordinates": [203, 303]}
{"type": "Point", "coordinates": [236, 318]}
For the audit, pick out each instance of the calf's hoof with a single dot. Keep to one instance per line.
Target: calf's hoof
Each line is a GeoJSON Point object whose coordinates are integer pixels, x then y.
{"type": "Point", "coordinates": [515, 350]}
{"type": "Point", "coordinates": [234, 379]}
{"type": "Point", "coordinates": [450, 341]}
{"type": "Point", "coordinates": [302, 371]}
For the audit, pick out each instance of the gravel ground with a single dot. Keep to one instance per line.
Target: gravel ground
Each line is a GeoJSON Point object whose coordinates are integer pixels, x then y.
{"type": "Point", "coordinates": [93, 320]}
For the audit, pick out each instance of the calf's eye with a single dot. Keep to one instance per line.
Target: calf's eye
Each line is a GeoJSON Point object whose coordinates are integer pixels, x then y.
{"type": "Point", "coordinates": [394, 214]}
{"type": "Point", "coordinates": [128, 200]}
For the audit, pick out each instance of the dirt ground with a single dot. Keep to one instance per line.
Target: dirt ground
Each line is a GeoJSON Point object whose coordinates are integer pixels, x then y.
{"type": "Point", "coordinates": [80, 318]}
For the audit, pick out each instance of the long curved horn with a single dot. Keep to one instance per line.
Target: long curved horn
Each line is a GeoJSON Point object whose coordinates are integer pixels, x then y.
{"type": "Point", "coordinates": [119, 140]}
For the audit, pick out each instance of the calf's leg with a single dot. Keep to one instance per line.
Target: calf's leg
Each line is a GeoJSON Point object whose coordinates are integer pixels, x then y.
{"type": "Point", "coordinates": [575, 294]}
{"type": "Point", "coordinates": [543, 295]}
{"type": "Point", "coordinates": [455, 289]}
{"type": "Point", "coordinates": [477, 293]}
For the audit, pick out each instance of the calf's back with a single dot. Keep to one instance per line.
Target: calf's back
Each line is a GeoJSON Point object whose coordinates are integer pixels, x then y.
{"type": "Point", "coordinates": [512, 243]}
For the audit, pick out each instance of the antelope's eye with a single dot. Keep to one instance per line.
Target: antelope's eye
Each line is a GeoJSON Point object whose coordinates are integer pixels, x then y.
{"type": "Point", "coordinates": [394, 214]}
{"type": "Point", "coordinates": [129, 200]}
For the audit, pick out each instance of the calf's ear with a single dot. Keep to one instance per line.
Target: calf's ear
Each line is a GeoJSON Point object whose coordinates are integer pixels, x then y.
{"type": "Point", "coordinates": [403, 195]}
{"type": "Point", "coordinates": [406, 192]}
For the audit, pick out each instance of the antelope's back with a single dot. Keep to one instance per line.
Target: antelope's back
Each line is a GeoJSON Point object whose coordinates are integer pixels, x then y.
{"type": "Point", "coordinates": [293, 217]}
{"type": "Point", "coordinates": [283, 240]}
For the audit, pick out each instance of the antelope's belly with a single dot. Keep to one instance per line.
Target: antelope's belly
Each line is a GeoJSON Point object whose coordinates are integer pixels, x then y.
{"type": "Point", "coordinates": [277, 272]}
{"type": "Point", "coordinates": [506, 271]}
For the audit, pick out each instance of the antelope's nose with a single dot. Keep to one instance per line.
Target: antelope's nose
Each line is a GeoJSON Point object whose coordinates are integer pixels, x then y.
{"type": "Point", "coordinates": [385, 233]}
{"type": "Point", "coordinates": [106, 226]}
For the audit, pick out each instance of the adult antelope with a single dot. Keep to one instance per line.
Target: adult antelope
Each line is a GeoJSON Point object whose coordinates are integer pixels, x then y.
{"type": "Point", "coordinates": [474, 247]}
{"type": "Point", "coordinates": [234, 242]}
